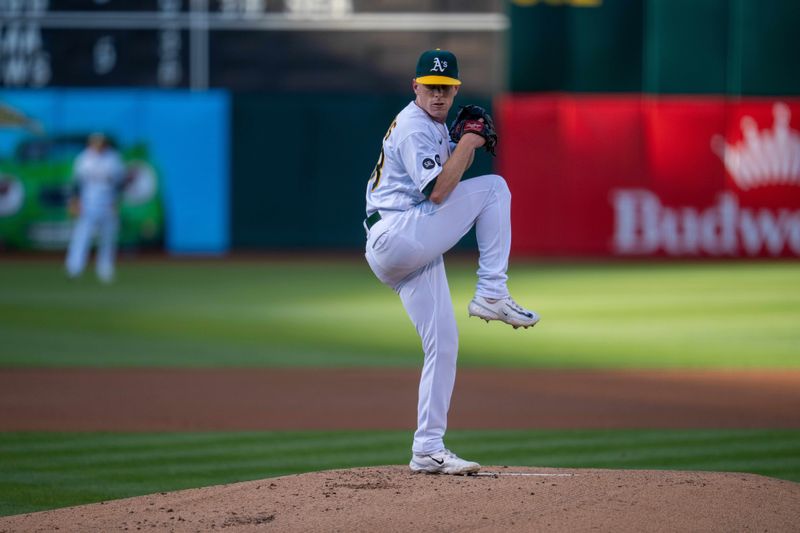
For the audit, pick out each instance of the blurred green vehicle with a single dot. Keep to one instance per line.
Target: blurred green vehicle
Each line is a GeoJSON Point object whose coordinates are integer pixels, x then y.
{"type": "Point", "coordinates": [35, 184]}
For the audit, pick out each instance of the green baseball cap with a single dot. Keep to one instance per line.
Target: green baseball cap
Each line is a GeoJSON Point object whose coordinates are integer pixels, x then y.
{"type": "Point", "coordinates": [437, 67]}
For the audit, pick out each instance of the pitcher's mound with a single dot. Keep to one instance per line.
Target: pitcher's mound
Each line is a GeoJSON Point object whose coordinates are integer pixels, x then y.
{"type": "Point", "coordinates": [390, 498]}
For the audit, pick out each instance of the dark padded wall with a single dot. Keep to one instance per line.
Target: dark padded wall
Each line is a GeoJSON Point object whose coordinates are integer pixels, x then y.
{"type": "Point", "coordinates": [301, 165]}
{"type": "Point", "coordinates": [735, 47]}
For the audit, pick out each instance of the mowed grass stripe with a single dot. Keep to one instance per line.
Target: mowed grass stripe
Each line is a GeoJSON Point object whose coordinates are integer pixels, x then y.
{"type": "Point", "coordinates": [662, 457]}
{"type": "Point", "coordinates": [221, 450]}
{"type": "Point", "coordinates": [93, 467]}
{"type": "Point", "coordinates": [334, 313]}
{"type": "Point", "coordinates": [548, 442]}
{"type": "Point", "coordinates": [67, 444]}
{"type": "Point", "coordinates": [120, 448]}
{"type": "Point", "coordinates": [635, 449]}
{"type": "Point", "coordinates": [222, 467]}
{"type": "Point", "coordinates": [768, 452]}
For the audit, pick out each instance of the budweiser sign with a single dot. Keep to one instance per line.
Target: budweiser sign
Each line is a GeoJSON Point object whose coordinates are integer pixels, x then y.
{"type": "Point", "coordinates": [644, 226]}
{"type": "Point", "coordinates": [655, 175]}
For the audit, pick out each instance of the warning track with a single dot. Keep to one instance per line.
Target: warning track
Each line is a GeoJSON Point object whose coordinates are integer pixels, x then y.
{"type": "Point", "coordinates": [335, 399]}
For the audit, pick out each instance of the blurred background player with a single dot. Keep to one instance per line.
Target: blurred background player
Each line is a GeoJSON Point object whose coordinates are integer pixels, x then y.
{"type": "Point", "coordinates": [417, 209]}
{"type": "Point", "coordinates": [99, 177]}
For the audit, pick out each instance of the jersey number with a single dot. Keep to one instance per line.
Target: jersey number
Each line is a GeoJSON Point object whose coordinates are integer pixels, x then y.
{"type": "Point", "coordinates": [376, 173]}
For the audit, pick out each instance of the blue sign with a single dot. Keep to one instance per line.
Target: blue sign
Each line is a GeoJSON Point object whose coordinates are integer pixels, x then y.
{"type": "Point", "coordinates": [180, 137]}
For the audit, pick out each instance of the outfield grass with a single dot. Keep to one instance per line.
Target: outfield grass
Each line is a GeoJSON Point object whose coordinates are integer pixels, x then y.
{"type": "Point", "coordinates": [50, 470]}
{"type": "Point", "coordinates": [334, 313]}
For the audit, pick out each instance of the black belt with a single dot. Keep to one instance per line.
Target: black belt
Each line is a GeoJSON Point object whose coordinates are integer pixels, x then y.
{"type": "Point", "coordinates": [372, 219]}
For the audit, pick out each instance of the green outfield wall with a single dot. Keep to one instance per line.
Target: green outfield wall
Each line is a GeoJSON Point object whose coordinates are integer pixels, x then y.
{"type": "Point", "coordinates": [733, 47]}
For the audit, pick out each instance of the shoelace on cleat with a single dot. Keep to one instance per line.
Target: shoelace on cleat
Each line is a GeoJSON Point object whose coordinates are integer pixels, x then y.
{"type": "Point", "coordinates": [518, 308]}
{"type": "Point", "coordinates": [448, 454]}
{"type": "Point", "coordinates": [515, 306]}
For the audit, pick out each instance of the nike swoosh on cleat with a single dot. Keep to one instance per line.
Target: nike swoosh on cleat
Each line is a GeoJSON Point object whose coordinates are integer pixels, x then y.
{"type": "Point", "coordinates": [437, 461]}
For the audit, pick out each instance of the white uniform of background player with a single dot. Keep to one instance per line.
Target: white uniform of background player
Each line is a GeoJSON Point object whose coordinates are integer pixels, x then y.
{"type": "Point", "coordinates": [99, 174]}
{"type": "Point", "coordinates": [418, 209]}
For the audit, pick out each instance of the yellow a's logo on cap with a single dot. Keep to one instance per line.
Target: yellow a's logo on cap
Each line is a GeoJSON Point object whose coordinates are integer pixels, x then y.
{"type": "Point", "coordinates": [438, 66]}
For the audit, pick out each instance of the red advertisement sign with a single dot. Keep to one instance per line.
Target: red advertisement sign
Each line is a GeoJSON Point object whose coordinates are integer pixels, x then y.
{"type": "Point", "coordinates": [636, 175]}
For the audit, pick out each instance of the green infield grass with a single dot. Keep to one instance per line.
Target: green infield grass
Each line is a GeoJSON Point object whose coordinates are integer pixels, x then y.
{"type": "Point", "coordinates": [49, 470]}
{"type": "Point", "coordinates": [304, 312]}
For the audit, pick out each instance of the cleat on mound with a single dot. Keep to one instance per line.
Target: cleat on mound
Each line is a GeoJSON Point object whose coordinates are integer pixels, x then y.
{"type": "Point", "coordinates": [442, 462]}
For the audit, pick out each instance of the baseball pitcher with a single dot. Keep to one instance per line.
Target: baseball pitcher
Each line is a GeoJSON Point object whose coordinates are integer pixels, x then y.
{"type": "Point", "coordinates": [417, 209]}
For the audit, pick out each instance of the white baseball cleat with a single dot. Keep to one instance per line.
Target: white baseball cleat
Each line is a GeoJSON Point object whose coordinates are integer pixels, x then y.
{"type": "Point", "coordinates": [443, 462]}
{"type": "Point", "coordinates": [503, 309]}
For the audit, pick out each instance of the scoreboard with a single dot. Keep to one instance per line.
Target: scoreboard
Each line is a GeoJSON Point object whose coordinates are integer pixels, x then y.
{"type": "Point", "coordinates": [200, 43]}
{"type": "Point", "coordinates": [97, 43]}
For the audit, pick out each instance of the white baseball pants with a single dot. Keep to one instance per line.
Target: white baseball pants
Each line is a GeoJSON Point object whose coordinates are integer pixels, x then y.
{"type": "Point", "coordinates": [404, 250]}
{"type": "Point", "coordinates": [105, 223]}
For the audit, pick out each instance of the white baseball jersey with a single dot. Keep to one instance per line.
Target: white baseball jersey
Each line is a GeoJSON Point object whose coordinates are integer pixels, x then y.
{"type": "Point", "coordinates": [414, 150]}
{"type": "Point", "coordinates": [99, 175]}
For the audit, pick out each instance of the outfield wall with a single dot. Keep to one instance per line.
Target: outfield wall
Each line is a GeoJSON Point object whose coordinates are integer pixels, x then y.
{"type": "Point", "coordinates": [301, 163]}
{"type": "Point", "coordinates": [260, 171]}
{"type": "Point", "coordinates": [179, 138]}
{"type": "Point", "coordinates": [664, 128]}
{"type": "Point", "coordinates": [599, 175]}
{"type": "Point", "coordinates": [734, 47]}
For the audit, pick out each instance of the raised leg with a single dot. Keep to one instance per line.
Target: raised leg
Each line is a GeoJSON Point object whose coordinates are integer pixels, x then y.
{"type": "Point", "coordinates": [419, 236]}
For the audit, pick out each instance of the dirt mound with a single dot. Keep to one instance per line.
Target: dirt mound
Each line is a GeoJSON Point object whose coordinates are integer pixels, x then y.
{"type": "Point", "coordinates": [499, 499]}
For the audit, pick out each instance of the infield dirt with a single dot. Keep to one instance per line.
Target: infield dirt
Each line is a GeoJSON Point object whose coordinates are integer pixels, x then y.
{"type": "Point", "coordinates": [151, 399]}
{"type": "Point", "coordinates": [389, 499]}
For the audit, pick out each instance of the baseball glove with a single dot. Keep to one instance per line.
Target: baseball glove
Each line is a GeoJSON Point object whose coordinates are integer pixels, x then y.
{"type": "Point", "coordinates": [468, 120]}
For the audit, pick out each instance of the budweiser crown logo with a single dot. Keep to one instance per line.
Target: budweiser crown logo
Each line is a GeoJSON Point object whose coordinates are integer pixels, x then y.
{"type": "Point", "coordinates": [768, 157]}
